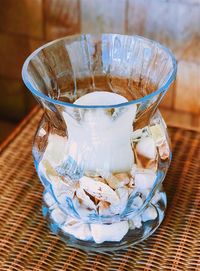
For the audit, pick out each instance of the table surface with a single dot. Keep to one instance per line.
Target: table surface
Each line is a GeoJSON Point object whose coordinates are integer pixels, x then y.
{"type": "Point", "coordinates": [27, 244]}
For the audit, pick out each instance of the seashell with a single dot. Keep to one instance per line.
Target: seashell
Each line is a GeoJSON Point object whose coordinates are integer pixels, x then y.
{"type": "Point", "coordinates": [145, 179]}
{"type": "Point", "coordinates": [113, 232]}
{"type": "Point", "coordinates": [58, 216]}
{"type": "Point", "coordinates": [49, 200]}
{"type": "Point", "coordinates": [56, 149]}
{"type": "Point", "coordinates": [146, 147]}
{"type": "Point", "coordinates": [133, 170]}
{"type": "Point", "coordinates": [46, 167]}
{"type": "Point", "coordinates": [78, 230]}
{"type": "Point", "coordinates": [59, 187]}
{"type": "Point", "coordinates": [164, 151]}
{"type": "Point", "coordinates": [118, 180]}
{"type": "Point", "coordinates": [85, 199]}
{"type": "Point", "coordinates": [123, 194]}
{"type": "Point", "coordinates": [156, 197]}
{"type": "Point", "coordinates": [135, 222]}
{"type": "Point", "coordinates": [99, 190]}
{"type": "Point", "coordinates": [137, 202]}
{"type": "Point", "coordinates": [145, 193]}
{"type": "Point", "coordinates": [149, 214]}
{"type": "Point", "coordinates": [82, 210]}
{"type": "Point", "coordinates": [158, 133]}
{"type": "Point", "coordinates": [104, 208]}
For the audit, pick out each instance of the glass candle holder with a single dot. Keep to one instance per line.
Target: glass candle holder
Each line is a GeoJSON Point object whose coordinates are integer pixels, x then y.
{"type": "Point", "coordinates": [101, 149]}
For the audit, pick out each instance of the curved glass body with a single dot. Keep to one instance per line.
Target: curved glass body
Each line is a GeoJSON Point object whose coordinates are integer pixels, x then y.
{"type": "Point", "coordinates": [101, 149]}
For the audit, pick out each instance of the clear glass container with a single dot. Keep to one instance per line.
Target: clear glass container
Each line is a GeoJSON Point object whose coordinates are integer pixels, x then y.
{"type": "Point", "coordinates": [101, 149]}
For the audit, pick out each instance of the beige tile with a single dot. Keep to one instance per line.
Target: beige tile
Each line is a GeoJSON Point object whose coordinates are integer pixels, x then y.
{"type": "Point", "coordinates": [181, 119]}
{"type": "Point", "coordinates": [167, 101]}
{"type": "Point", "coordinates": [61, 18]}
{"type": "Point", "coordinates": [13, 52]}
{"type": "Point", "coordinates": [172, 23]}
{"type": "Point", "coordinates": [22, 17]}
{"type": "Point", "coordinates": [188, 87]}
{"type": "Point", "coordinates": [191, 50]}
{"type": "Point", "coordinates": [99, 16]}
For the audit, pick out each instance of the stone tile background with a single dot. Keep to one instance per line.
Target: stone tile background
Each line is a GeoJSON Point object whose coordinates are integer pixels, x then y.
{"type": "Point", "coordinates": [27, 24]}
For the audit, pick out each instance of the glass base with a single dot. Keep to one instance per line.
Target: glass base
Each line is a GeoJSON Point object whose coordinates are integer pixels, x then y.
{"type": "Point", "coordinates": [55, 217]}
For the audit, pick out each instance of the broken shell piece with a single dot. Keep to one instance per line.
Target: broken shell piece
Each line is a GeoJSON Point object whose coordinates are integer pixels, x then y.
{"type": "Point", "coordinates": [135, 222]}
{"type": "Point", "coordinates": [123, 194]}
{"type": "Point", "coordinates": [158, 133]}
{"type": "Point", "coordinates": [146, 147]}
{"type": "Point", "coordinates": [118, 180]}
{"type": "Point", "coordinates": [85, 199]}
{"type": "Point", "coordinates": [133, 170]}
{"type": "Point", "coordinates": [45, 166]}
{"type": "Point", "coordinates": [99, 190]}
{"type": "Point", "coordinates": [145, 180]}
{"type": "Point", "coordinates": [145, 162]}
{"type": "Point", "coordinates": [156, 197]}
{"type": "Point", "coordinates": [58, 216]}
{"type": "Point", "coordinates": [164, 151]}
{"type": "Point", "coordinates": [137, 202]}
{"type": "Point", "coordinates": [149, 214]}
{"type": "Point", "coordinates": [81, 209]}
{"type": "Point", "coordinates": [112, 232]}
{"type": "Point", "coordinates": [78, 230]}
{"type": "Point", "coordinates": [56, 149]}
{"type": "Point", "coordinates": [49, 200]}
{"type": "Point", "coordinates": [104, 208]}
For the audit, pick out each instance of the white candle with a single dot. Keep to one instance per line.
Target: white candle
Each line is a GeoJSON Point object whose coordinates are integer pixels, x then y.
{"type": "Point", "coordinates": [101, 142]}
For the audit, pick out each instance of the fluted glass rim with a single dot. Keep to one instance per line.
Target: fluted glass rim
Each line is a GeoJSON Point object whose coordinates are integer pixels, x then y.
{"type": "Point", "coordinates": [42, 96]}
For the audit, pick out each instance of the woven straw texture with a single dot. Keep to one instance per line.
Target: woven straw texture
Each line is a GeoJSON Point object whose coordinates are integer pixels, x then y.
{"type": "Point", "coordinates": [27, 244]}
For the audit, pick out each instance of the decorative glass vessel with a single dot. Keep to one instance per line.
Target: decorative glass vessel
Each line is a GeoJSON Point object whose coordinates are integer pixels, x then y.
{"type": "Point", "coordinates": [101, 149]}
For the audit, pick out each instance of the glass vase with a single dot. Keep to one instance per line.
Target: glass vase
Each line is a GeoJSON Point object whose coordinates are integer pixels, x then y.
{"type": "Point", "coordinates": [101, 149]}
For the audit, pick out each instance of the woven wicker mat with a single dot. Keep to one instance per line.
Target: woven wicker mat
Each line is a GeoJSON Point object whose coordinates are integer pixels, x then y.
{"type": "Point", "coordinates": [27, 244]}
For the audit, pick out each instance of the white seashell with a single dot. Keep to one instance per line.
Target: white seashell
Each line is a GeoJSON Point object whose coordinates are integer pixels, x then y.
{"type": "Point", "coordinates": [104, 208]}
{"type": "Point", "coordinates": [135, 222]}
{"type": "Point", "coordinates": [56, 149]}
{"type": "Point", "coordinates": [49, 200]}
{"type": "Point", "coordinates": [137, 202]}
{"type": "Point", "coordinates": [86, 201]}
{"type": "Point", "coordinates": [149, 214]}
{"type": "Point", "coordinates": [146, 147]}
{"type": "Point", "coordinates": [145, 180]}
{"type": "Point", "coordinates": [99, 190]}
{"type": "Point", "coordinates": [42, 132]}
{"type": "Point", "coordinates": [113, 232]}
{"type": "Point", "coordinates": [79, 231]}
{"type": "Point", "coordinates": [58, 216]}
{"type": "Point", "coordinates": [81, 209]}
{"type": "Point", "coordinates": [164, 151]}
{"type": "Point", "coordinates": [133, 170]}
{"type": "Point", "coordinates": [156, 197]}
{"type": "Point", "coordinates": [117, 180]}
{"type": "Point", "coordinates": [123, 195]}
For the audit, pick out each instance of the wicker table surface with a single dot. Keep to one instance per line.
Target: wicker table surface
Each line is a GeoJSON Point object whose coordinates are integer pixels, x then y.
{"type": "Point", "coordinates": [27, 244]}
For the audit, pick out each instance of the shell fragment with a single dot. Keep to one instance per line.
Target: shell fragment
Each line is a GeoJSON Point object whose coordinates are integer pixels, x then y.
{"type": "Point", "coordinates": [146, 147]}
{"type": "Point", "coordinates": [79, 231]}
{"type": "Point", "coordinates": [149, 214]}
{"type": "Point", "coordinates": [99, 190]}
{"type": "Point", "coordinates": [113, 232]}
{"type": "Point", "coordinates": [145, 180]}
